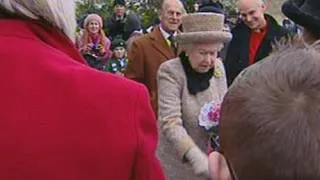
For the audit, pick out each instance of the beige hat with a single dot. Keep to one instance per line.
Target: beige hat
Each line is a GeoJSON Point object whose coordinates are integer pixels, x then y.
{"type": "Point", "coordinates": [203, 28]}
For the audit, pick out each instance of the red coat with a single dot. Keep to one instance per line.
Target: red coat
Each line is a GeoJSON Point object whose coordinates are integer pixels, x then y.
{"type": "Point", "coordinates": [61, 120]}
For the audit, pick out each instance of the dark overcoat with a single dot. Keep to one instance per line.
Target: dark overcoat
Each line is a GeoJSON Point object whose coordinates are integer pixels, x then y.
{"type": "Point", "coordinates": [237, 57]}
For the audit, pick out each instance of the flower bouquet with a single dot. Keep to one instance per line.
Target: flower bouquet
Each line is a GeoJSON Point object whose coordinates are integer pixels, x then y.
{"type": "Point", "coordinates": [209, 119]}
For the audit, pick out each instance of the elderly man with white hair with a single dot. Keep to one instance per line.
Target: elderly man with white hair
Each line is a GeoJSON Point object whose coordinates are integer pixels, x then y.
{"type": "Point", "coordinates": [148, 52]}
{"type": "Point", "coordinates": [59, 118]}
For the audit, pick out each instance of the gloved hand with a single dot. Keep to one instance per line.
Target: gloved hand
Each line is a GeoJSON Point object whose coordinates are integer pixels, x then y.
{"type": "Point", "coordinates": [198, 161]}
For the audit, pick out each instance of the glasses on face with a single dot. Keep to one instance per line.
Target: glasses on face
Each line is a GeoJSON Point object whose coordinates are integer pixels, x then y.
{"type": "Point", "coordinates": [172, 13]}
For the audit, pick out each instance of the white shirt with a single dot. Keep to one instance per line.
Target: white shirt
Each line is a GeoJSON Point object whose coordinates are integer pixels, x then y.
{"type": "Point", "coordinates": [166, 35]}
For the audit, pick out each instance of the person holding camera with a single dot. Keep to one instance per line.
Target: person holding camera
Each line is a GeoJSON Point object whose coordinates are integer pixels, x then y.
{"type": "Point", "coordinates": [93, 43]}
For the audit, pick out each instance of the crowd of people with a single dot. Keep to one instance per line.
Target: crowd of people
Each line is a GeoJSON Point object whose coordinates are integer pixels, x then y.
{"type": "Point", "coordinates": [103, 43]}
{"type": "Point", "coordinates": [95, 38]}
{"type": "Point", "coordinates": [194, 98]}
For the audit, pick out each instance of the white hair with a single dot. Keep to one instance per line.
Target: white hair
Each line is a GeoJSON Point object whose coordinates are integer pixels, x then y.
{"type": "Point", "coordinates": [59, 13]}
{"type": "Point", "coordinates": [166, 3]}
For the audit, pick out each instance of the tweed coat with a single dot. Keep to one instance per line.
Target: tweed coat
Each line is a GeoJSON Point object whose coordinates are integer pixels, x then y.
{"type": "Point", "coordinates": [145, 56]}
{"type": "Point", "coordinates": [178, 116]}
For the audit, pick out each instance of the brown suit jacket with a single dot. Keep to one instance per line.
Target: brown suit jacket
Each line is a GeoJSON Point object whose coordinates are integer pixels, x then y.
{"type": "Point", "coordinates": [145, 56]}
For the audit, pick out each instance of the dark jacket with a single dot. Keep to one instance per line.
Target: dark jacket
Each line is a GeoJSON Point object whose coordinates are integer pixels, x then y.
{"type": "Point", "coordinates": [122, 28]}
{"type": "Point", "coordinates": [116, 65]}
{"type": "Point", "coordinates": [238, 51]}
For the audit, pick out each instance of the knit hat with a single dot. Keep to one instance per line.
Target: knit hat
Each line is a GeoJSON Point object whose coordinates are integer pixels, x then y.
{"type": "Point", "coordinates": [304, 12]}
{"type": "Point", "coordinates": [120, 2]}
{"type": "Point", "coordinates": [117, 43]}
{"type": "Point", "coordinates": [92, 17]}
{"type": "Point", "coordinates": [203, 28]}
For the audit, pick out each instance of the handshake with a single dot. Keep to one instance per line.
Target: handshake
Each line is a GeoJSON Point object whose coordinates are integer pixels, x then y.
{"type": "Point", "coordinates": [214, 166]}
{"type": "Point", "coordinates": [198, 161]}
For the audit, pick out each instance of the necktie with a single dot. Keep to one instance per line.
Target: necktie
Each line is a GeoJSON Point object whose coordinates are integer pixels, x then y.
{"type": "Point", "coordinates": [172, 43]}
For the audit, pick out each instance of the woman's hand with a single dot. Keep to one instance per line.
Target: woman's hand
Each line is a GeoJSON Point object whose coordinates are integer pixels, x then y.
{"type": "Point", "coordinates": [101, 49]}
{"type": "Point", "coordinates": [87, 48]}
{"type": "Point", "coordinates": [90, 46]}
{"type": "Point", "coordinates": [198, 161]}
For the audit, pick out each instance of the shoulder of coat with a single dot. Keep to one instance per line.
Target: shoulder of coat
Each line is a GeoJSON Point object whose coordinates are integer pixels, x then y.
{"type": "Point", "coordinates": [171, 64]}
{"type": "Point", "coordinates": [144, 39]}
{"type": "Point", "coordinates": [173, 67]}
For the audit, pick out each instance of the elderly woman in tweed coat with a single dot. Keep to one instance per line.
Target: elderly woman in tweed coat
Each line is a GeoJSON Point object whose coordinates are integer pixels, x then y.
{"type": "Point", "coordinates": [185, 84]}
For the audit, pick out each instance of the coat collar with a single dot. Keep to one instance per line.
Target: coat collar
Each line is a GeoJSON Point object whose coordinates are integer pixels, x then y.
{"type": "Point", "coordinates": [273, 28]}
{"type": "Point", "coordinates": [159, 42]}
{"type": "Point", "coordinates": [274, 32]}
{"type": "Point", "coordinates": [42, 32]}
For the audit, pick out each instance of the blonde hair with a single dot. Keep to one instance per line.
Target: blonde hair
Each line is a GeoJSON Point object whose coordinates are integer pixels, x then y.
{"type": "Point", "coordinates": [59, 13]}
{"type": "Point", "coordinates": [86, 39]}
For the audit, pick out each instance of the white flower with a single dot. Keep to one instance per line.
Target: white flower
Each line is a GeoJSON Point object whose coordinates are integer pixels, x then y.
{"type": "Point", "coordinates": [209, 115]}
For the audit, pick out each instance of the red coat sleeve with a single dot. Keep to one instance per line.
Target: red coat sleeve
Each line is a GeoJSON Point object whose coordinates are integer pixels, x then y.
{"type": "Point", "coordinates": [147, 166]}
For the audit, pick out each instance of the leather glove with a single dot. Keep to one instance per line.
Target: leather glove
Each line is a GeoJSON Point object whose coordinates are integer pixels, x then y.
{"type": "Point", "coordinates": [198, 161]}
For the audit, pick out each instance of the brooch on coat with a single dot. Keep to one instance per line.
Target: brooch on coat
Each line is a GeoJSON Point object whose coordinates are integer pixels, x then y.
{"type": "Point", "coordinates": [218, 72]}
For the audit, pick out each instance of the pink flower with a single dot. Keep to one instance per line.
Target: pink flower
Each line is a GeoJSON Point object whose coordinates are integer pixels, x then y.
{"type": "Point", "coordinates": [209, 119]}
{"type": "Point", "coordinates": [209, 115]}
{"type": "Point", "coordinates": [214, 113]}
